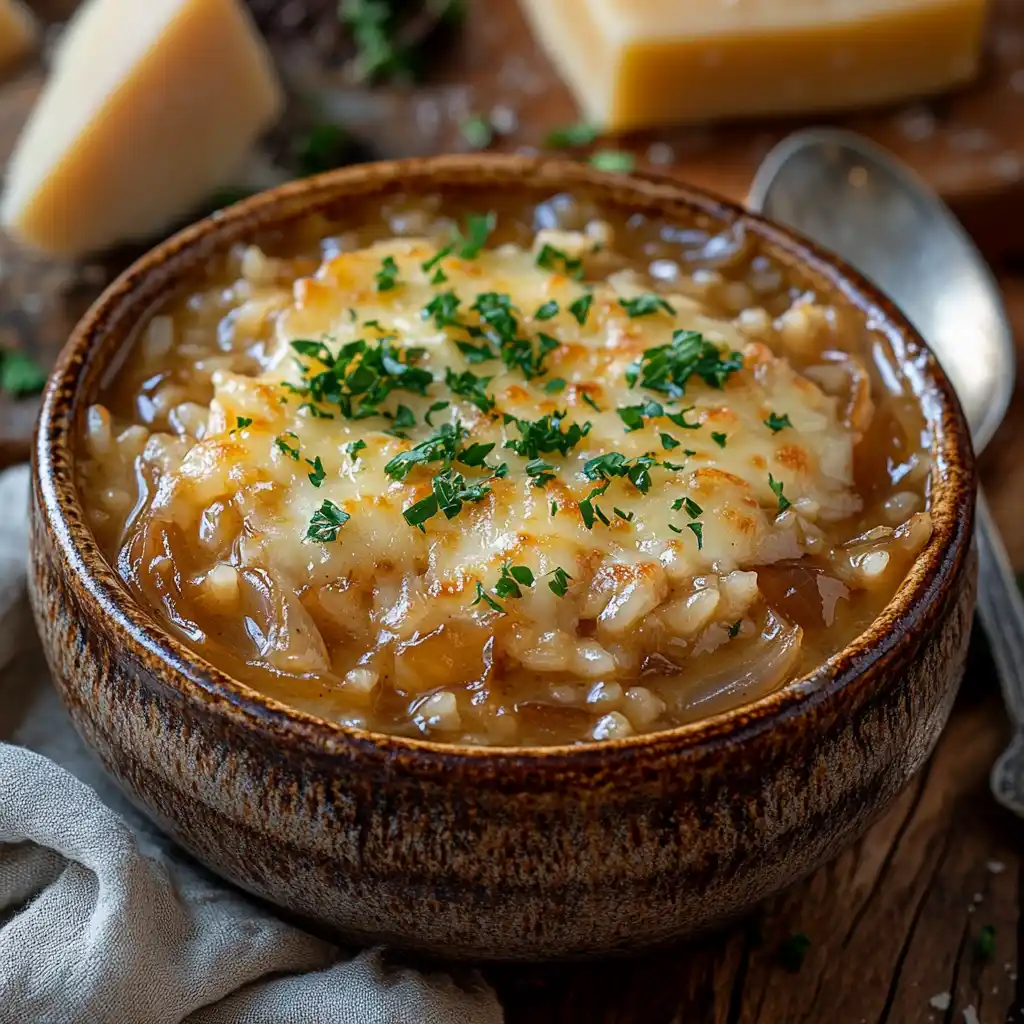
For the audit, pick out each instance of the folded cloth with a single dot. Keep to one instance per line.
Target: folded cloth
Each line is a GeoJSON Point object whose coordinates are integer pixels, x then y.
{"type": "Point", "coordinates": [104, 921]}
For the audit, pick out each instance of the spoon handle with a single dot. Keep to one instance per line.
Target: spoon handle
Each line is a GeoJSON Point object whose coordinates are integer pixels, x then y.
{"type": "Point", "coordinates": [1002, 611]}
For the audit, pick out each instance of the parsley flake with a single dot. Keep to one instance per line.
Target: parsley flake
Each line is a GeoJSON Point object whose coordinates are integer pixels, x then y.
{"type": "Point", "coordinates": [558, 262]}
{"type": "Point", "coordinates": [668, 368]}
{"type": "Point", "coordinates": [284, 447]}
{"type": "Point", "coordinates": [512, 579]}
{"type": "Point", "coordinates": [353, 448]}
{"type": "Point", "coordinates": [555, 385]}
{"type": "Point", "coordinates": [776, 486]}
{"type": "Point", "coordinates": [241, 422]}
{"type": "Point", "coordinates": [581, 307]}
{"type": "Point", "coordinates": [471, 387]}
{"type": "Point", "coordinates": [546, 435]}
{"type": "Point", "coordinates": [645, 305]}
{"type": "Point", "coordinates": [547, 311]}
{"type": "Point", "coordinates": [627, 516]}
{"type": "Point", "coordinates": [734, 629]}
{"type": "Point", "coordinates": [668, 442]}
{"type": "Point", "coordinates": [478, 229]}
{"type": "Point", "coordinates": [776, 423]}
{"type": "Point", "coordinates": [327, 520]}
{"type": "Point", "coordinates": [559, 584]}
{"type": "Point", "coordinates": [698, 532]}
{"type": "Point", "coordinates": [317, 477]}
{"type": "Point", "coordinates": [482, 595]}
{"type": "Point", "coordinates": [719, 439]}
{"type": "Point", "coordinates": [387, 276]}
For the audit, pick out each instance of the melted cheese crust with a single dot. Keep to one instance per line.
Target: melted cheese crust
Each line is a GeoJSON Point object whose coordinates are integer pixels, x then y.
{"type": "Point", "coordinates": [517, 521]}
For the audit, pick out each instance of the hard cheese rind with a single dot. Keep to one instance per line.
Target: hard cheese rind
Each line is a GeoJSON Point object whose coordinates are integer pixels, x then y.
{"type": "Point", "coordinates": [19, 31]}
{"type": "Point", "coordinates": [637, 63]}
{"type": "Point", "coordinates": [151, 106]}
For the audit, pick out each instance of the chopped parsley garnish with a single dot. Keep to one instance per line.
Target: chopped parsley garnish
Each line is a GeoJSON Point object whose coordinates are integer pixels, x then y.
{"type": "Point", "coordinates": [589, 511]}
{"type": "Point", "coordinates": [693, 510]}
{"type": "Point", "coordinates": [449, 492]}
{"type": "Point", "coordinates": [317, 477]}
{"type": "Point", "coordinates": [646, 305]}
{"type": "Point", "coordinates": [471, 387]}
{"type": "Point", "coordinates": [582, 133]}
{"type": "Point", "coordinates": [793, 950]}
{"type": "Point", "coordinates": [776, 423]}
{"type": "Point", "coordinates": [581, 307]}
{"type": "Point", "coordinates": [558, 262]}
{"type": "Point", "coordinates": [513, 578]}
{"type": "Point", "coordinates": [776, 486]}
{"type": "Point", "coordinates": [404, 418]}
{"type": "Point", "coordinates": [593, 405]}
{"type": "Point", "coordinates": [477, 131]}
{"type": "Point", "coordinates": [627, 516]}
{"type": "Point", "coordinates": [633, 416]}
{"type": "Point", "coordinates": [387, 276]}
{"type": "Point", "coordinates": [734, 629]}
{"type": "Point", "coordinates": [353, 448]}
{"type": "Point", "coordinates": [327, 520]}
{"type": "Point", "coordinates": [617, 161]}
{"type": "Point", "coordinates": [668, 368]}
{"type": "Point", "coordinates": [539, 472]}
{"type": "Point", "coordinates": [559, 584]}
{"type": "Point", "coordinates": [698, 532]}
{"type": "Point", "coordinates": [546, 435]}
{"type": "Point", "coordinates": [361, 375]}
{"type": "Point", "coordinates": [283, 446]}
{"type": "Point", "coordinates": [502, 328]}
{"type": "Point", "coordinates": [442, 309]}
{"type": "Point", "coordinates": [439, 277]}
{"type": "Point", "coordinates": [469, 242]}
{"type": "Point", "coordinates": [615, 464]}
{"type": "Point", "coordinates": [668, 442]}
{"type": "Point", "coordinates": [476, 454]}
{"type": "Point", "coordinates": [554, 508]}
{"type": "Point", "coordinates": [719, 439]}
{"type": "Point", "coordinates": [241, 422]}
{"type": "Point", "coordinates": [436, 407]}
{"type": "Point", "coordinates": [555, 385]}
{"type": "Point", "coordinates": [428, 265]}
{"type": "Point", "coordinates": [439, 446]}
{"type": "Point", "coordinates": [547, 311]}
{"type": "Point", "coordinates": [482, 595]}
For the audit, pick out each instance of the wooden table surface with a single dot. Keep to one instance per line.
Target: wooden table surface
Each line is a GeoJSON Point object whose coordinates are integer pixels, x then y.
{"type": "Point", "coordinates": [893, 923]}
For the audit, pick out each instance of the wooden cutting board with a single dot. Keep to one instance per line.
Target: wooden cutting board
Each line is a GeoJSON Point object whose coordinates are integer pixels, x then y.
{"type": "Point", "coordinates": [969, 146]}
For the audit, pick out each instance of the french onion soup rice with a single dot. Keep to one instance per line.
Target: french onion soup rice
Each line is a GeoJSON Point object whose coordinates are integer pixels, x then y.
{"type": "Point", "coordinates": [508, 477]}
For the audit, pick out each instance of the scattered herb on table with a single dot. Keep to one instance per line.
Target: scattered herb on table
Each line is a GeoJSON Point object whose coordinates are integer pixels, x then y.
{"type": "Point", "coordinates": [20, 376]}
{"type": "Point", "coordinates": [570, 136]}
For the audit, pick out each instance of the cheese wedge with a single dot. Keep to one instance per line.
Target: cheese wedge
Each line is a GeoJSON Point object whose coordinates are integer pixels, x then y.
{"type": "Point", "coordinates": [637, 63]}
{"type": "Point", "coordinates": [19, 31]}
{"type": "Point", "coordinates": [152, 104]}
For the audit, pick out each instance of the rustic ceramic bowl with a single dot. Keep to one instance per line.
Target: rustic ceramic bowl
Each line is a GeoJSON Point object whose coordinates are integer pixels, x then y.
{"type": "Point", "coordinates": [494, 853]}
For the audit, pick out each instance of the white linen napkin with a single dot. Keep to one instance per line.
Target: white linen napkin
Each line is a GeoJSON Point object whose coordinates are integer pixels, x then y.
{"type": "Point", "coordinates": [104, 921]}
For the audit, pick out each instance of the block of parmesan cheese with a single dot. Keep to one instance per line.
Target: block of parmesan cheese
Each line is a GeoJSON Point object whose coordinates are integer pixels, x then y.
{"type": "Point", "coordinates": [151, 105]}
{"type": "Point", "coordinates": [638, 63]}
{"type": "Point", "coordinates": [19, 31]}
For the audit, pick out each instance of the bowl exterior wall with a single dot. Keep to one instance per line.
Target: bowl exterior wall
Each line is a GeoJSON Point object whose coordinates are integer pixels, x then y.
{"type": "Point", "coordinates": [503, 863]}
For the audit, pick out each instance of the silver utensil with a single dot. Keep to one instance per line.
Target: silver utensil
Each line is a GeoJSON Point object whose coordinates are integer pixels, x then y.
{"type": "Point", "coordinates": [856, 199]}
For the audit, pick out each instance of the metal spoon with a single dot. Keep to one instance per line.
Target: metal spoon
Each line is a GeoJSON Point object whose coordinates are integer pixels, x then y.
{"type": "Point", "coordinates": [856, 199]}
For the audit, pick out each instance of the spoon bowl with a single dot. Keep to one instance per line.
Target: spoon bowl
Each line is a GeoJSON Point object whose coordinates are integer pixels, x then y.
{"type": "Point", "coordinates": [882, 219]}
{"type": "Point", "coordinates": [854, 198]}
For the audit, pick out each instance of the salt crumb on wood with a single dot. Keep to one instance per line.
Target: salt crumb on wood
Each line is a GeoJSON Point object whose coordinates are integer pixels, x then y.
{"type": "Point", "coordinates": [941, 1001]}
{"type": "Point", "coordinates": [970, 1015]}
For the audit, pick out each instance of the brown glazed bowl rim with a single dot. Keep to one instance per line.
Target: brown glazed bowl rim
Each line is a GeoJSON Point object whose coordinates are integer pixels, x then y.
{"type": "Point", "coordinates": [890, 640]}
